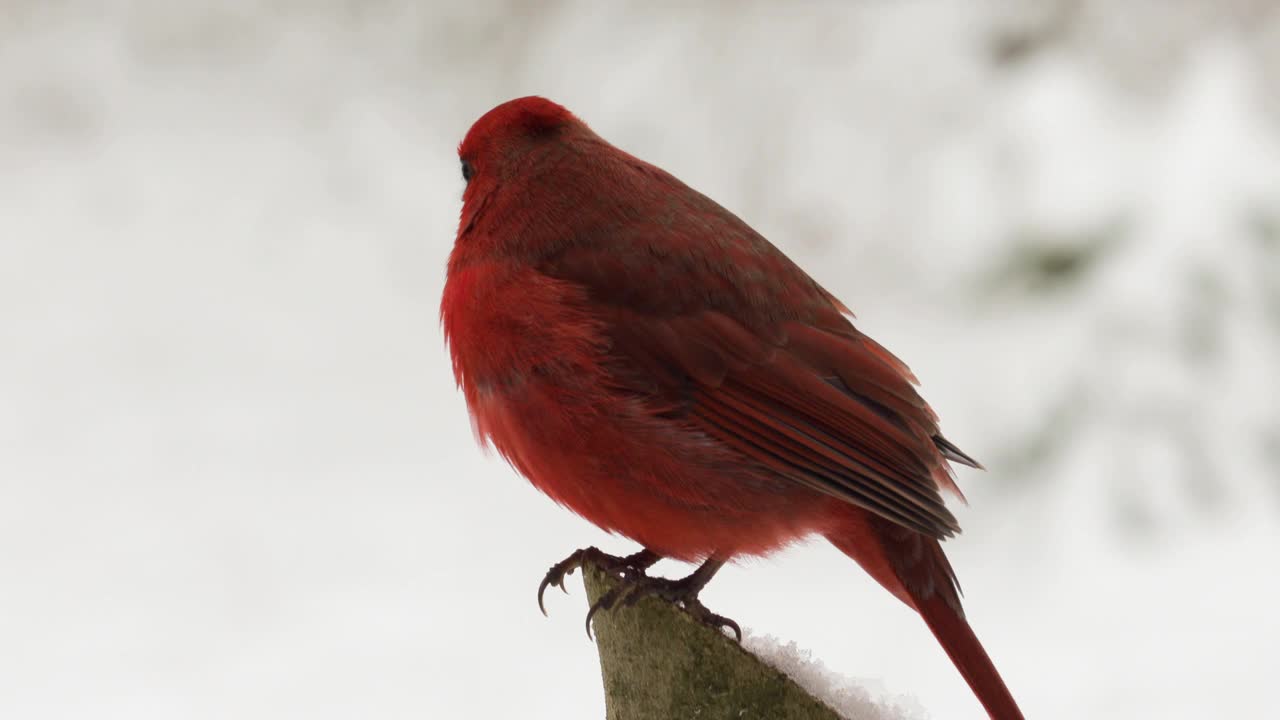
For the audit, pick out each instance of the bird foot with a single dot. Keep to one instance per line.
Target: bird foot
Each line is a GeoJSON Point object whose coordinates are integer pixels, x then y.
{"type": "Point", "coordinates": [624, 568]}
{"type": "Point", "coordinates": [682, 593]}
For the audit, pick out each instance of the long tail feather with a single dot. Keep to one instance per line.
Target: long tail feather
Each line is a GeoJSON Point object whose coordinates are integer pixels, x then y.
{"type": "Point", "coordinates": [913, 567]}
{"type": "Point", "coordinates": [962, 646]}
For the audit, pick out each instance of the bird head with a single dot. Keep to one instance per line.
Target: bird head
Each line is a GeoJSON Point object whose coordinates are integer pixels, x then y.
{"type": "Point", "coordinates": [505, 141]}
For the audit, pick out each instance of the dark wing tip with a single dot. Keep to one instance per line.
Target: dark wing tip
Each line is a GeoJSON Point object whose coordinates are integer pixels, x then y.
{"type": "Point", "coordinates": [955, 454]}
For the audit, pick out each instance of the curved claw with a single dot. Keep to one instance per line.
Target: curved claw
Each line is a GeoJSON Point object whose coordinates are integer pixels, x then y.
{"type": "Point", "coordinates": [556, 575]}
{"type": "Point", "coordinates": [717, 621]}
{"type": "Point", "coordinates": [590, 614]}
{"type": "Point", "coordinates": [726, 622]}
{"type": "Point", "coordinates": [605, 602]}
{"type": "Point", "coordinates": [630, 567]}
{"type": "Point", "coordinates": [633, 585]}
{"type": "Point", "coordinates": [542, 588]}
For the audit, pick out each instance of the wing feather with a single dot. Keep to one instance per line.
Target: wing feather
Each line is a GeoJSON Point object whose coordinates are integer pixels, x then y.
{"type": "Point", "coordinates": [775, 402]}
{"type": "Point", "coordinates": [710, 326]}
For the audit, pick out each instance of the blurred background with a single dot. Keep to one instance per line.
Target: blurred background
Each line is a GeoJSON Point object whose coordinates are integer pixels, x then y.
{"type": "Point", "coordinates": [236, 479]}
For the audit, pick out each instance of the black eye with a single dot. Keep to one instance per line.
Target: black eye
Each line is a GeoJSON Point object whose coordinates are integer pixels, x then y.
{"type": "Point", "coordinates": [467, 172]}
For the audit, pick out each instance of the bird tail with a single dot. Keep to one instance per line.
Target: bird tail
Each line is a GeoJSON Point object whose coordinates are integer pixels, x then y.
{"type": "Point", "coordinates": [921, 577]}
{"type": "Point", "coordinates": [969, 657]}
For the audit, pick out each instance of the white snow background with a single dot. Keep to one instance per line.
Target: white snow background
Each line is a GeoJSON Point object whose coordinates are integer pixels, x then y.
{"type": "Point", "coordinates": [236, 479]}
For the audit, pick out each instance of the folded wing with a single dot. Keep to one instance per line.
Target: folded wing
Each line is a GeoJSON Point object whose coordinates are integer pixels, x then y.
{"type": "Point", "coordinates": [832, 412]}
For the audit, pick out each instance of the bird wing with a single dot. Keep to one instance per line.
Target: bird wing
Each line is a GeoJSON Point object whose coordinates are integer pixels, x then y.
{"type": "Point", "coordinates": [783, 406]}
{"type": "Point", "coordinates": [749, 350]}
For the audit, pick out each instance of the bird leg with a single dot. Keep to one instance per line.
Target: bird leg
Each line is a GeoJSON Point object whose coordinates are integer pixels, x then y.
{"type": "Point", "coordinates": [624, 567]}
{"type": "Point", "coordinates": [682, 593]}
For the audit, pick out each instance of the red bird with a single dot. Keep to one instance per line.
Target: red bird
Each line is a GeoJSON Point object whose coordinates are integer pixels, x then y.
{"type": "Point", "coordinates": [645, 358]}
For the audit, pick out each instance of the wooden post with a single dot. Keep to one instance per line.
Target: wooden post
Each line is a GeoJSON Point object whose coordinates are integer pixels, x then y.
{"type": "Point", "coordinates": [658, 664]}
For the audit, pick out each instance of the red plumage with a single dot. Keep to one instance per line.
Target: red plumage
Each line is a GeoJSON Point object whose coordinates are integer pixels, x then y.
{"type": "Point", "coordinates": [649, 361]}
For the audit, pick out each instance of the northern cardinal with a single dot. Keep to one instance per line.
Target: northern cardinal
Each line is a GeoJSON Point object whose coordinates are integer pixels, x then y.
{"type": "Point", "coordinates": [649, 361]}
